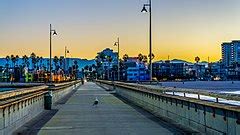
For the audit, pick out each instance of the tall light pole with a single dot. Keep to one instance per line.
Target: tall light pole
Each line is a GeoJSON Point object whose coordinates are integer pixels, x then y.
{"type": "Point", "coordinates": [52, 32]}
{"type": "Point", "coordinates": [149, 4]}
{"type": "Point", "coordinates": [118, 45]}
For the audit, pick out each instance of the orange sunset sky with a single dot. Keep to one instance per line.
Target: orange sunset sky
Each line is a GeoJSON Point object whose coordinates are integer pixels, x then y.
{"type": "Point", "coordinates": [181, 29]}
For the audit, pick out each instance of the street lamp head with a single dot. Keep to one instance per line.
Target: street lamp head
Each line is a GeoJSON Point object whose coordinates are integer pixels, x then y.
{"type": "Point", "coordinates": [144, 9]}
{"type": "Point", "coordinates": [54, 32]}
{"type": "Point", "coordinates": [115, 44]}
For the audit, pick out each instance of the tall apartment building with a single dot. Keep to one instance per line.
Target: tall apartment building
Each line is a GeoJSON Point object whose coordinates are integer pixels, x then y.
{"type": "Point", "coordinates": [230, 53]}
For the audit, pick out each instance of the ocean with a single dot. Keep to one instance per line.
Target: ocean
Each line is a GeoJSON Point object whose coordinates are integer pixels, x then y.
{"type": "Point", "coordinates": [6, 89]}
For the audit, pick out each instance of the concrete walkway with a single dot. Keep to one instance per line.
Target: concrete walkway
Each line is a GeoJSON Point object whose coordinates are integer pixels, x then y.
{"type": "Point", "coordinates": [111, 116]}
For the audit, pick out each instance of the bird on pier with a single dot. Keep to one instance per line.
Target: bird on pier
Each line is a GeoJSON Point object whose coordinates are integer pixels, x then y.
{"type": "Point", "coordinates": [95, 103]}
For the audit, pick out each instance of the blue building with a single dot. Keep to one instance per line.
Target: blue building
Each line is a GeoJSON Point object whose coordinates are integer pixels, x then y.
{"type": "Point", "coordinates": [136, 70]}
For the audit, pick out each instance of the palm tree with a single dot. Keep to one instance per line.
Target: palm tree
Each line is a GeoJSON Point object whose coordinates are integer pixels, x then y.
{"type": "Point", "coordinates": [13, 59]}
{"type": "Point", "coordinates": [7, 59]}
{"type": "Point", "coordinates": [197, 59]}
{"type": "Point", "coordinates": [144, 59]}
{"type": "Point", "coordinates": [102, 56]}
{"type": "Point", "coordinates": [109, 59]}
{"type": "Point", "coordinates": [33, 57]}
{"type": "Point", "coordinates": [41, 61]}
{"type": "Point", "coordinates": [94, 70]}
{"type": "Point", "coordinates": [17, 58]}
{"type": "Point", "coordinates": [55, 60]}
{"type": "Point", "coordinates": [153, 56]}
{"type": "Point", "coordinates": [75, 68]}
{"type": "Point", "coordinates": [37, 61]}
{"type": "Point", "coordinates": [25, 60]}
{"type": "Point", "coordinates": [7, 64]}
{"type": "Point", "coordinates": [125, 57]}
{"type": "Point", "coordinates": [94, 66]}
{"type": "Point", "coordinates": [140, 59]}
{"type": "Point", "coordinates": [86, 67]}
{"type": "Point", "coordinates": [61, 60]}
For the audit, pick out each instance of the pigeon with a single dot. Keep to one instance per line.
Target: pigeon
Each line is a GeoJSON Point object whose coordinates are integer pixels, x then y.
{"type": "Point", "coordinates": [95, 102]}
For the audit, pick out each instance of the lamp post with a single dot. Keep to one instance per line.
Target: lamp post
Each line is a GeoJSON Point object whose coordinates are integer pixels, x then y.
{"type": "Point", "coordinates": [149, 4]}
{"type": "Point", "coordinates": [118, 45]}
{"type": "Point", "coordinates": [52, 32]}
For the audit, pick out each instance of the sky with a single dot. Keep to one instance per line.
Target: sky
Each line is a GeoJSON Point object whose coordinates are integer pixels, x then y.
{"type": "Point", "coordinates": [181, 29]}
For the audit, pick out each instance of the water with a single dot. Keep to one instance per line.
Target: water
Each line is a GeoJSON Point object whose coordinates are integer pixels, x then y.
{"type": "Point", "coordinates": [6, 89]}
{"type": "Point", "coordinates": [206, 98]}
{"type": "Point", "coordinates": [211, 86]}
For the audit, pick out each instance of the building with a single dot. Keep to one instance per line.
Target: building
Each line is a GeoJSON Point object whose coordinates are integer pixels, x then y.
{"type": "Point", "coordinates": [178, 69]}
{"type": "Point", "coordinates": [168, 70]}
{"type": "Point", "coordinates": [230, 68]}
{"type": "Point", "coordinates": [21, 68]}
{"type": "Point", "coordinates": [135, 70]}
{"type": "Point", "coordinates": [231, 53]}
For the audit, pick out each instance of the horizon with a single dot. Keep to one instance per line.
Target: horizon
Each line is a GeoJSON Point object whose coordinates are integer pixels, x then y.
{"type": "Point", "coordinates": [181, 29]}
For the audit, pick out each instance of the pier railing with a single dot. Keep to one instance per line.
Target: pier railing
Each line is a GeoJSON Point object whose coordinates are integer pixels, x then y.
{"type": "Point", "coordinates": [19, 106]}
{"type": "Point", "coordinates": [203, 116]}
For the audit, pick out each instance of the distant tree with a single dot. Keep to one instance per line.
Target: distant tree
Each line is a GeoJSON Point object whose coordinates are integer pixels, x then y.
{"type": "Point", "coordinates": [125, 57]}
{"type": "Point", "coordinates": [145, 58]}
{"type": "Point", "coordinates": [7, 59]}
{"type": "Point", "coordinates": [61, 61]}
{"type": "Point", "coordinates": [37, 61]}
{"type": "Point", "coordinates": [86, 67]}
{"type": "Point", "coordinates": [75, 68]}
{"type": "Point", "coordinates": [41, 61]}
{"type": "Point", "coordinates": [153, 56]}
{"type": "Point", "coordinates": [34, 60]}
{"type": "Point", "coordinates": [94, 66]}
{"type": "Point", "coordinates": [7, 64]}
{"type": "Point", "coordinates": [13, 59]}
{"type": "Point", "coordinates": [102, 56]}
{"type": "Point", "coordinates": [140, 57]}
{"type": "Point", "coordinates": [16, 59]}
{"type": "Point", "coordinates": [76, 64]}
{"type": "Point", "coordinates": [25, 60]}
{"type": "Point", "coordinates": [55, 60]}
{"type": "Point", "coordinates": [197, 59]}
{"type": "Point", "coordinates": [109, 58]}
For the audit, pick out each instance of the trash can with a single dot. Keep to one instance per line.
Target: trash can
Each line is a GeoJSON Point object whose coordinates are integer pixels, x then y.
{"type": "Point", "coordinates": [48, 100]}
{"type": "Point", "coordinates": [82, 80]}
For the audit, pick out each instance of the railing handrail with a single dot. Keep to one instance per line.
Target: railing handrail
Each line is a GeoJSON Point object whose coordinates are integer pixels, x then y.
{"type": "Point", "coordinates": [12, 97]}
{"type": "Point", "coordinates": [187, 99]}
{"type": "Point", "coordinates": [22, 91]}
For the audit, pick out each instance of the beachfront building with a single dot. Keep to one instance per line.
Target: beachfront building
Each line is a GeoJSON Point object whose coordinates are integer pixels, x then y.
{"type": "Point", "coordinates": [136, 70]}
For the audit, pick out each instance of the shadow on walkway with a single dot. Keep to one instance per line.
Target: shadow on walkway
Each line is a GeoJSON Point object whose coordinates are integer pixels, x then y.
{"type": "Point", "coordinates": [167, 123]}
{"type": "Point", "coordinates": [34, 126]}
